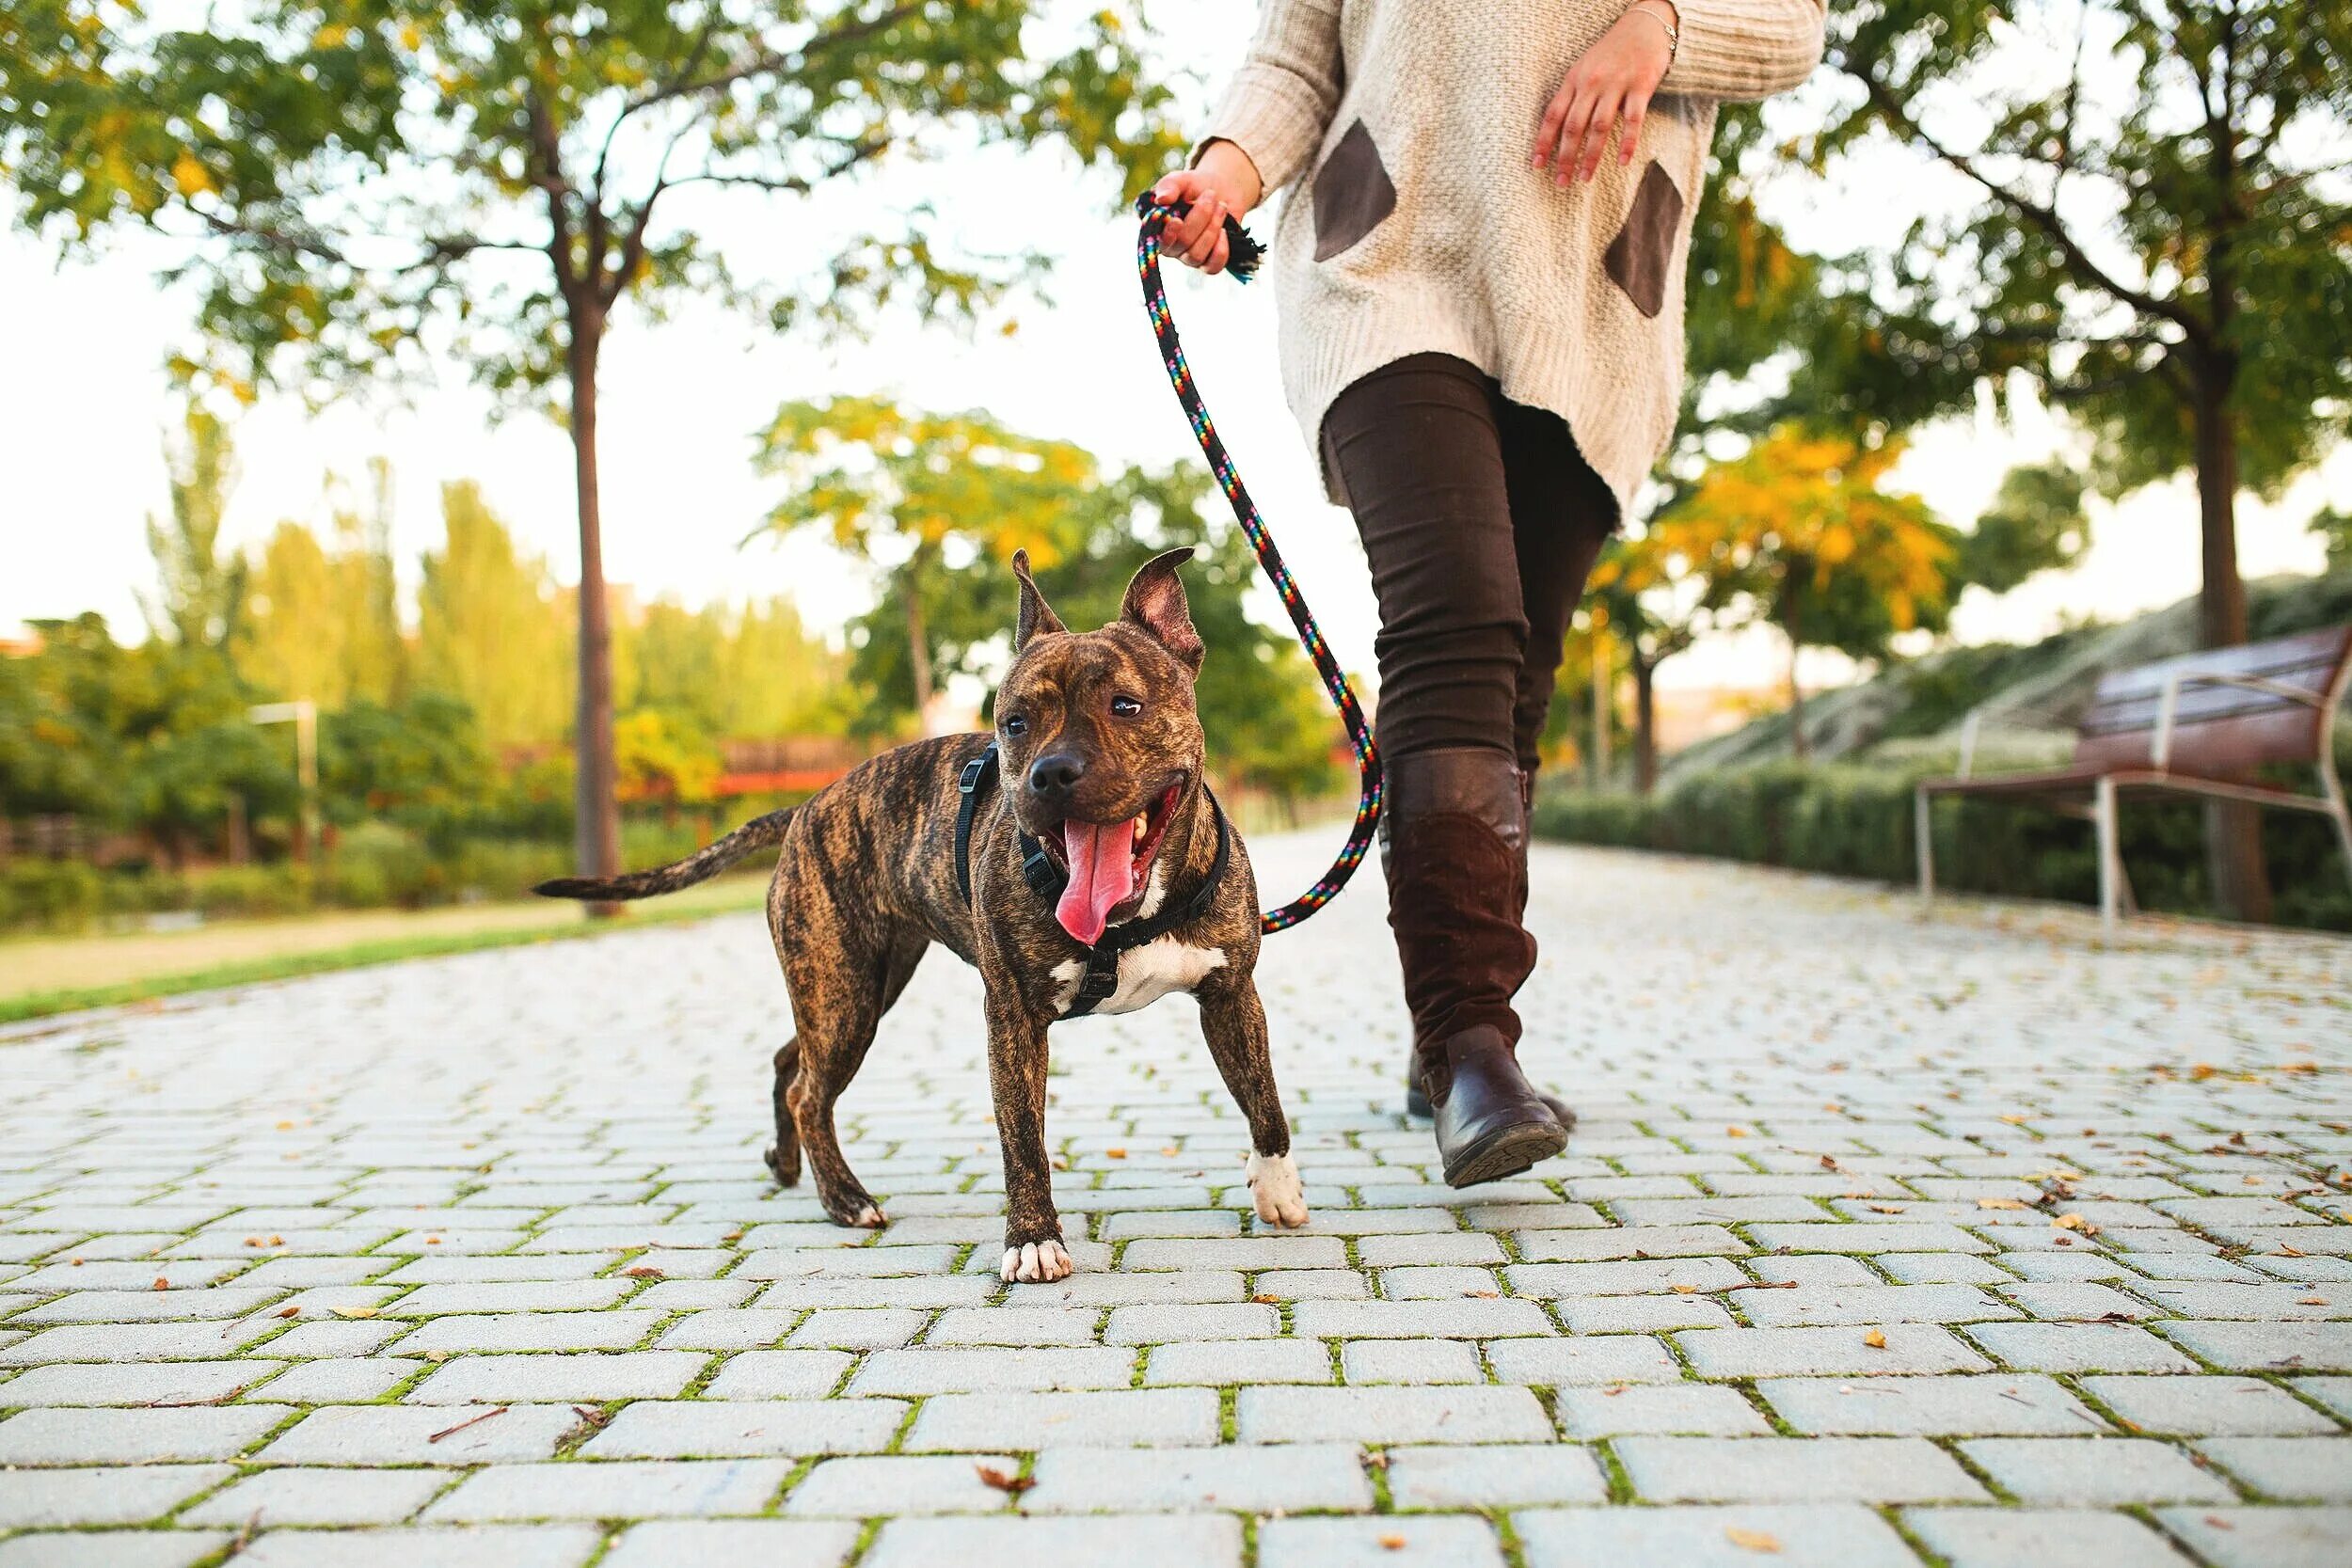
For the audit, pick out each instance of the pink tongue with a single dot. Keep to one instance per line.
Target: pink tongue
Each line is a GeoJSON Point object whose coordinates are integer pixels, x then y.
{"type": "Point", "coordinates": [1102, 876]}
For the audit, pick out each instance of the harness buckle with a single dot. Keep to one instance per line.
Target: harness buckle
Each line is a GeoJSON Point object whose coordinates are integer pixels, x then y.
{"type": "Point", "coordinates": [974, 772]}
{"type": "Point", "coordinates": [1100, 979]}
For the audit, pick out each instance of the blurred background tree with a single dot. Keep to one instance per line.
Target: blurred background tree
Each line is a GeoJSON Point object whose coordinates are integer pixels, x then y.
{"type": "Point", "coordinates": [2160, 230]}
{"type": "Point", "coordinates": [347, 179]}
{"type": "Point", "coordinates": [199, 597]}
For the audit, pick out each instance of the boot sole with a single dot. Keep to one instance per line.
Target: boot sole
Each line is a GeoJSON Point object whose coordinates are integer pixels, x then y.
{"type": "Point", "coordinates": [1506, 1151]}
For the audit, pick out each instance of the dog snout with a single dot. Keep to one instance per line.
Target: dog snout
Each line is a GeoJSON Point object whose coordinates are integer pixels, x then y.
{"type": "Point", "coordinates": [1052, 776]}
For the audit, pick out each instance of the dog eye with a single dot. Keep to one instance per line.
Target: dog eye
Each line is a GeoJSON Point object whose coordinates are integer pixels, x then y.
{"type": "Point", "coordinates": [1127, 707]}
{"type": "Point", "coordinates": [1014, 724]}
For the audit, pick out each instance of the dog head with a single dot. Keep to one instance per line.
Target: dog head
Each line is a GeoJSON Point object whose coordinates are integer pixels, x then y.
{"type": "Point", "coordinates": [1101, 740]}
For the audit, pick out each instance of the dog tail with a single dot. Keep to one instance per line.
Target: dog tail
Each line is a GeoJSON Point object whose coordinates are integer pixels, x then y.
{"type": "Point", "coordinates": [758, 833]}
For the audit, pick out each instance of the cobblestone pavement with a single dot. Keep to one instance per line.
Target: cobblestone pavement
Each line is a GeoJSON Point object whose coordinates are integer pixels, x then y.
{"type": "Point", "coordinates": [1886, 1238]}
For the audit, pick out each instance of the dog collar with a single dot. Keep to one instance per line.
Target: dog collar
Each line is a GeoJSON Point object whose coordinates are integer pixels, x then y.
{"type": "Point", "coordinates": [1047, 880]}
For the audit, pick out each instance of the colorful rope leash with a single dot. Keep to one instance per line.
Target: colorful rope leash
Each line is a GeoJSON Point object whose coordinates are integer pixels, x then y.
{"type": "Point", "coordinates": [1245, 253]}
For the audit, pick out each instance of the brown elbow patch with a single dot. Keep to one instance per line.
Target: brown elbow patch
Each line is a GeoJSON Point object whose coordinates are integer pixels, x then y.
{"type": "Point", "coordinates": [1353, 193]}
{"type": "Point", "coordinates": [1637, 259]}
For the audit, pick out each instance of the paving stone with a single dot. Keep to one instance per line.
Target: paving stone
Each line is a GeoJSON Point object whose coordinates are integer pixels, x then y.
{"type": "Point", "coordinates": [1410, 1361]}
{"type": "Point", "coordinates": [512, 1331]}
{"type": "Point", "coordinates": [1776, 1352]}
{"type": "Point", "coordinates": [899, 1484]}
{"type": "Point", "coordinates": [1989, 1538]}
{"type": "Point", "coordinates": [1143, 1541]}
{"type": "Point", "coordinates": [2093, 1472]}
{"type": "Point", "coordinates": [1232, 1478]}
{"type": "Point", "coordinates": [297, 1497]}
{"type": "Point", "coordinates": [1999, 1404]}
{"type": "Point", "coordinates": [148, 1549]}
{"type": "Point", "coordinates": [1639, 1314]}
{"type": "Point", "coordinates": [1395, 1414]}
{"type": "Point", "coordinates": [1620, 1409]}
{"type": "Point", "coordinates": [714, 1429]}
{"type": "Point", "coordinates": [1811, 1305]}
{"type": "Point", "coordinates": [1862, 1238]}
{"type": "Point", "coordinates": [2298, 1347]}
{"type": "Point", "coordinates": [856, 1329]}
{"type": "Point", "coordinates": [2260, 1537]}
{"type": "Point", "coordinates": [58, 1435]}
{"type": "Point", "coordinates": [1494, 1475]}
{"type": "Point", "coordinates": [2207, 1406]}
{"type": "Point", "coordinates": [1608, 1359]}
{"type": "Point", "coordinates": [1013, 1325]}
{"type": "Point", "coordinates": [514, 1296]}
{"type": "Point", "coordinates": [918, 1371]}
{"type": "Point", "coordinates": [1144, 1418]}
{"type": "Point", "coordinates": [547, 1379]}
{"type": "Point", "coordinates": [1819, 1535]}
{"type": "Point", "coordinates": [1651, 1241]}
{"type": "Point", "coordinates": [1942, 1268]}
{"type": "Point", "coordinates": [770, 1542]}
{"type": "Point", "coordinates": [1467, 1319]}
{"type": "Point", "coordinates": [1163, 1325]}
{"type": "Point", "coordinates": [447, 1546]}
{"type": "Point", "coordinates": [202, 1342]}
{"type": "Point", "coordinates": [404, 1435]}
{"type": "Point", "coordinates": [779, 1375]}
{"type": "Point", "coordinates": [1471, 1247]}
{"type": "Point", "coordinates": [1793, 1469]}
{"type": "Point", "coordinates": [134, 1383]}
{"type": "Point", "coordinates": [2293, 1469]}
{"type": "Point", "coordinates": [130, 1496]}
{"type": "Point", "coordinates": [1313, 1285]}
{"type": "Point", "coordinates": [689, 1489]}
{"type": "Point", "coordinates": [1426, 1540]}
{"type": "Point", "coordinates": [1239, 1362]}
{"type": "Point", "coordinates": [340, 1379]}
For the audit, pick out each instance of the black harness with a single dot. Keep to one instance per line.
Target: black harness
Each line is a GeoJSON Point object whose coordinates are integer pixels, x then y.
{"type": "Point", "coordinates": [1047, 880]}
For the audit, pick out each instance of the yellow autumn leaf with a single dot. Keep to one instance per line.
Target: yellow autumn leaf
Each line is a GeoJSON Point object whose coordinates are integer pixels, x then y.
{"type": "Point", "coordinates": [1751, 1540]}
{"type": "Point", "coordinates": [1876, 1339]}
{"type": "Point", "coordinates": [191, 175]}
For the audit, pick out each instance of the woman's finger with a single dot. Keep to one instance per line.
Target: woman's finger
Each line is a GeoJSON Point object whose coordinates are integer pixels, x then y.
{"type": "Point", "coordinates": [1212, 215]}
{"type": "Point", "coordinates": [1572, 128]}
{"type": "Point", "coordinates": [1547, 132]}
{"type": "Point", "coordinates": [1596, 136]}
{"type": "Point", "coordinates": [1630, 135]}
{"type": "Point", "coordinates": [1219, 257]}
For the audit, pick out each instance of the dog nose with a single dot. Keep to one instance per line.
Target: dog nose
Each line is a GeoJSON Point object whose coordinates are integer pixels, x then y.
{"type": "Point", "coordinates": [1056, 773]}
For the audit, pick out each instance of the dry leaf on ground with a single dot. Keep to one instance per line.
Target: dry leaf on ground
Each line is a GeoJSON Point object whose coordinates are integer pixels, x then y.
{"type": "Point", "coordinates": [991, 1476]}
{"type": "Point", "coordinates": [1751, 1540]}
{"type": "Point", "coordinates": [1876, 1339]}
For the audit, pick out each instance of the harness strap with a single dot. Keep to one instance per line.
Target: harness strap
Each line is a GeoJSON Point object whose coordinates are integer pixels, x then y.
{"type": "Point", "coordinates": [1047, 879]}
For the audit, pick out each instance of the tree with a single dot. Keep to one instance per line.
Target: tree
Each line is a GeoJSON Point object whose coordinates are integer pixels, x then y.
{"type": "Point", "coordinates": [362, 185]}
{"type": "Point", "coordinates": [2162, 242]}
{"type": "Point", "coordinates": [1799, 534]}
{"type": "Point", "coordinates": [1657, 602]}
{"type": "Point", "coordinates": [942, 502]}
{"type": "Point", "coordinates": [2034, 524]}
{"type": "Point", "coordinates": [2334, 527]}
{"type": "Point", "coordinates": [201, 592]}
{"type": "Point", "coordinates": [487, 630]}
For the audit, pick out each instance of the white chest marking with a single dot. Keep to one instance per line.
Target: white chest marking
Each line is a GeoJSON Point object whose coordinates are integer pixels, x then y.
{"type": "Point", "coordinates": [1145, 974]}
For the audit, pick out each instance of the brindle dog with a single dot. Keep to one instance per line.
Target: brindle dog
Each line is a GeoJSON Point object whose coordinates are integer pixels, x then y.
{"type": "Point", "coordinates": [1101, 753]}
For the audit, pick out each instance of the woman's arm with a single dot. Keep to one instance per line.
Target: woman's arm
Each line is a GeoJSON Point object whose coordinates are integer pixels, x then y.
{"type": "Point", "coordinates": [1745, 50]}
{"type": "Point", "coordinates": [1265, 131]}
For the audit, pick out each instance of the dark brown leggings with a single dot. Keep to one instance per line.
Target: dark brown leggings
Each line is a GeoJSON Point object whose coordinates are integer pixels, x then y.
{"type": "Point", "coordinates": [1481, 521]}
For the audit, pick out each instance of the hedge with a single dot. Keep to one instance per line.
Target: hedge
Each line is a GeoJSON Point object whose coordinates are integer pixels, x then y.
{"type": "Point", "coordinates": [1856, 821]}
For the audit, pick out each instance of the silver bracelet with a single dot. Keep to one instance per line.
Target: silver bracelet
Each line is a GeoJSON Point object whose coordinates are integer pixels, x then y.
{"type": "Point", "coordinates": [1674, 34]}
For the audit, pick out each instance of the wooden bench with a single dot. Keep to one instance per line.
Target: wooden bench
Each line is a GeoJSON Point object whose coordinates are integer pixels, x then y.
{"type": "Point", "coordinates": [2199, 725]}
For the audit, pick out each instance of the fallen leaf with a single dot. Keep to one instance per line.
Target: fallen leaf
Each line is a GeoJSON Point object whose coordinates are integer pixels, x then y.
{"type": "Point", "coordinates": [1116, 1153]}
{"type": "Point", "coordinates": [1265, 1300]}
{"type": "Point", "coordinates": [285, 1127]}
{"type": "Point", "coordinates": [1393, 1543]}
{"type": "Point", "coordinates": [356, 1312]}
{"type": "Point", "coordinates": [2001, 1203]}
{"type": "Point", "coordinates": [1483, 1296]}
{"type": "Point", "coordinates": [436, 1356]}
{"type": "Point", "coordinates": [1170, 1152]}
{"type": "Point", "coordinates": [643, 1271]}
{"type": "Point", "coordinates": [1751, 1540]}
{"type": "Point", "coordinates": [1735, 1131]}
{"type": "Point", "coordinates": [1876, 1339]}
{"type": "Point", "coordinates": [1829, 1161]}
{"type": "Point", "coordinates": [249, 1241]}
{"type": "Point", "coordinates": [1685, 1290]}
{"type": "Point", "coordinates": [2075, 1223]}
{"type": "Point", "coordinates": [2311, 1301]}
{"type": "Point", "coordinates": [1886, 1208]}
{"type": "Point", "coordinates": [991, 1476]}
{"type": "Point", "coordinates": [735, 1235]}
{"type": "Point", "coordinates": [2016, 1121]}
{"type": "Point", "coordinates": [433, 1241]}
{"type": "Point", "coordinates": [162, 1284]}
{"type": "Point", "coordinates": [289, 1312]}
{"type": "Point", "coordinates": [278, 1241]}
{"type": "Point", "coordinates": [2217, 1522]}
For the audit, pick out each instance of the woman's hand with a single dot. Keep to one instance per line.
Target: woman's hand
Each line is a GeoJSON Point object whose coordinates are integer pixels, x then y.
{"type": "Point", "coordinates": [1224, 183]}
{"type": "Point", "coordinates": [1614, 79]}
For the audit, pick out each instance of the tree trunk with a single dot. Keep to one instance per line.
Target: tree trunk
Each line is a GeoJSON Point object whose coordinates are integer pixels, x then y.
{"type": "Point", "coordinates": [596, 812]}
{"type": "Point", "coordinates": [1644, 723]}
{"type": "Point", "coordinates": [2233, 843]}
{"type": "Point", "coordinates": [1601, 706]}
{"type": "Point", "coordinates": [918, 652]}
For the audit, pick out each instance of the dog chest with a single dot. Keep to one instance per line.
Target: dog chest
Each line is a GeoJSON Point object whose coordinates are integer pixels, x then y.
{"type": "Point", "coordinates": [1145, 974]}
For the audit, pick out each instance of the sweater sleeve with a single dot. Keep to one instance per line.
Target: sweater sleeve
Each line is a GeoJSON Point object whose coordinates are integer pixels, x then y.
{"type": "Point", "coordinates": [1745, 50]}
{"type": "Point", "coordinates": [1281, 100]}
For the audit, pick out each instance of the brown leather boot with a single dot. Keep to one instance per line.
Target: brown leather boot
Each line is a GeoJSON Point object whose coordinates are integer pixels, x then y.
{"type": "Point", "coordinates": [1416, 1102]}
{"type": "Point", "coordinates": [1456, 839]}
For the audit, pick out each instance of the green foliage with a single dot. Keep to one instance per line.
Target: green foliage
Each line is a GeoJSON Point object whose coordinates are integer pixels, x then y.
{"type": "Point", "coordinates": [2334, 527]}
{"type": "Point", "coordinates": [201, 595]}
{"type": "Point", "coordinates": [1856, 821]}
{"type": "Point", "coordinates": [419, 765]}
{"type": "Point", "coordinates": [489, 630]}
{"type": "Point", "coordinates": [326, 625]}
{"type": "Point", "coordinates": [2034, 524]}
{"type": "Point", "coordinates": [939, 504]}
{"type": "Point", "coordinates": [340, 174]}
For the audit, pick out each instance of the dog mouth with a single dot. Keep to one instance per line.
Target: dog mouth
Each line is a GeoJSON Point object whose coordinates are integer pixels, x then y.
{"type": "Point", "coordinates": [1109, 863]}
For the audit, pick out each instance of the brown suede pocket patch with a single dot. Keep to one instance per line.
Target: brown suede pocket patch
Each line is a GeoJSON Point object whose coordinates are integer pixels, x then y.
{"type": "Point", "coordinates": [1353, 193]}
{"type": "Point", "coordinates": [1636, 259]}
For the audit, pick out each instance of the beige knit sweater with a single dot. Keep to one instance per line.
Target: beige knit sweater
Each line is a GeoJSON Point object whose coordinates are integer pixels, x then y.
{"type": "Point", "coordinates": [1422, 228]}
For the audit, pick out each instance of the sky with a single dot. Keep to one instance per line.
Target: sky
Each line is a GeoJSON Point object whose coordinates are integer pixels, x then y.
{"type": "Point", "coordinates": [84, 411]}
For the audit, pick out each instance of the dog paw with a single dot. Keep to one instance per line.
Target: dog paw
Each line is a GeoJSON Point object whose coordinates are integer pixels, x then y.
{"type": "Point", "coordinates": [871, 1217]}
{"type": "Point", "coordinates": [1037, 1262]}
{"type": "Point", "coordinates": [1273, 1185]}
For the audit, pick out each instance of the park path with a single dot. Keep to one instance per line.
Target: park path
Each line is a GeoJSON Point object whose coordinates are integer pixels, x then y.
{"type": "Point", "coordinates": [471, 1261]}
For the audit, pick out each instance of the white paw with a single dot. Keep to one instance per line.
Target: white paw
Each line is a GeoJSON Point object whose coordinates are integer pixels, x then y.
{"type": "Point", "coordinates": [1282, 1197]}
{"type": "Point", "coordinates": [871, 1217]}
{"type": "Point", "coordinates": [1037, 1261]}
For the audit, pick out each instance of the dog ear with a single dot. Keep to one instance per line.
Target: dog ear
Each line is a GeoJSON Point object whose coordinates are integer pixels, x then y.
{"type": "Point", "coordinates": [1155, 602]}
{"type": "Point", "coordinates": [1037, 616]}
